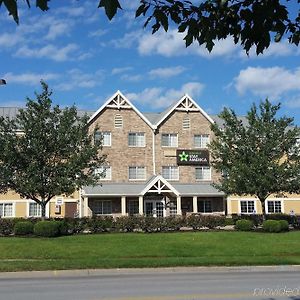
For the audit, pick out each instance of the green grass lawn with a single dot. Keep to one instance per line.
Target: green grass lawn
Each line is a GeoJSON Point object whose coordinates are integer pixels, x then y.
{"type": "Point", "coordinates": [149, 250]}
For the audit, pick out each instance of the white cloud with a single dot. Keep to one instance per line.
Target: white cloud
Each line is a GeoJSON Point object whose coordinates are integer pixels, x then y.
{"type": "Point", "coordinates": [283, 48]}
{"type": "Point", "coordinates": [132, 78]}
{"type": "Point", "coordinates": [49, 51]}
{"type": "Point", "coordinates": [29, 78]}
{"type": "Point", "coordinates": [171, 44]}
{"type": "Point", "coordinates": [77, 79]}
{"type": "Point", "coordinates": [116, 71]}
{"type": "Point", "coordinates": [294, 102]}
{"type": "Point", "coordinates": [267, 82]}
{"type": "Point", "coordinates": [8, 40]}
{"type": "Point", "coordinates": [58, 29]}
{"type": "Point", "coordinates": [160, 97]}
{"type": "Point", "coordinates": [166, 72]}
{"type": "Point", "coordinates": [97, 33]}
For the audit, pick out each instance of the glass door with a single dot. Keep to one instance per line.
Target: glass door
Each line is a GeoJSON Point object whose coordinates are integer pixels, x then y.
{"type": "Point", "coordinates": [149, 208]}
{"type": "Point", "coordinates": [155, 208]}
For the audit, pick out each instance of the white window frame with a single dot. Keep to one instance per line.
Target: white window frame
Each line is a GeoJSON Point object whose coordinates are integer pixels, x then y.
{"type": "Point", "coordinates": [169, 136]}
{"type": "Point", "coordinates": [202, 144]}
{"type": "Point", "coordinates": [108, 175]}
{"type": "Point", "coordinates": [136, 135]}
{"type": "Point", "coordinates": [274, 200]}
{"type": "Point", "coordinates": [170, 172]}
{"type": "Point", "coordinates": [38, 209]}
{"type": "Point", "coordinates": [247, 200]}
{"type": "Point", "coordinates": [136, 168]}
{"type": "Point", "coordinates": [102, 135]}
{"type": "Point", "coordinates": [102, 214]}
{"type": "Point", "coordinates": [203, 167]}
{"type": "Point", "coordinates": [47, 212]}
{"type": "Point", "coordinates": [13, 211]}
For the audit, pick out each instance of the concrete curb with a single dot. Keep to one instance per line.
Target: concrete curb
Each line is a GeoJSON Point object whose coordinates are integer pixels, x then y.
{"type": "Point", "coordinates": [144, 271]}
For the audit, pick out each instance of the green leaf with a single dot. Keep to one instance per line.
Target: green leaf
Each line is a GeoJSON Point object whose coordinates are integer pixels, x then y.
{"type": "Point", "coordinates": [110, 6]}
{"type": "Point", "coordinates": [12, 7]}
{"type": "Point", "coordinates": [42, 4]}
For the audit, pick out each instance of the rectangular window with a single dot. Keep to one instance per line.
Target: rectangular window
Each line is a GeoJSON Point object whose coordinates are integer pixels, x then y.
{"type": "Point", "coordinates": [104, 172]}
{"type": "Point", "coordinates": [170, 172]}
{"type": "Point", "coordinates": [6, 210]}
{"type": "Point", "coordinates": [136, 139]}
{"type": "Point", "coordinates": [104, 136]}
{"type": "Point", "coordinates": [35, 210]}
{"type": "Point", "coordinates": [133, 207]}
{"type": "Point", "coordinates": [247, 207]}
{"type": "Point", "coordinates": [169, 140]}
{"type": "Point", "coordinates": [101, 207]}
{"type": "Point", "coordinates": [137, 173]}
{"type": "Point", "coordinates": [204, 206]}
{"type": "Point", "coordinates": [203, 173]}
{"type": "Point", "coordinates": [173, 208]}
{"type": "Point", "coordinates": [274, 207]}
{"type": "Point", "coordinates": [201, 140]}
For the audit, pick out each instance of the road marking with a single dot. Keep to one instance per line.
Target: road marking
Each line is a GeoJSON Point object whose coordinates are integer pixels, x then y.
{"type": "Point", "coordinates": [184, 297]}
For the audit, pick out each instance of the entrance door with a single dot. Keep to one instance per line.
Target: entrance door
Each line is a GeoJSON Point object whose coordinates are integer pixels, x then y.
{"type": "Point", "coordinates": [155, 208]}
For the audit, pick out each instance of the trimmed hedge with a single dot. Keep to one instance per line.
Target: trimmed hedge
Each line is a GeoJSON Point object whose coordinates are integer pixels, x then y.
{"type": "Point", "coordinates": [275, 225]}
{"type": "Point", "coordinates": [244, 225]}
{"type": "Point", "coordinates": [23, 228]}
{"type": "Point", "coordinates": [99, 224]}
{"type": "Point", "coordinates": [47, 228]}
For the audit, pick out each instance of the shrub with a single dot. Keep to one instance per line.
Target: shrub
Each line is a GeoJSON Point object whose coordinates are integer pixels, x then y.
{"type": "Point", "coordinates": [244, 225]}
{"type": "Point", "coordinates": [212, 222]}
{"type": "Point", "coordinates": [284, 225]}
{"type": "Point", "coordinates": [23, 228]}
{"type": "Point", "coordinates": [194, 221]}
{"type": "Point", "coordinates": [100, 224]}
{"type": "Point", "coordinates": [271, 226]}
{"type": "Point", "coordinates": [7, 226]}
{"type": "Point", "coordinates": [229, 221]}
{"type": "Point", "coordinates": [126, 224]}
{"type": "Point", "coordinates": [47, 228]}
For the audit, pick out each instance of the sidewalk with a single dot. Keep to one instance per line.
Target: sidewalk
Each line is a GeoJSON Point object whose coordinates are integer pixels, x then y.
{"type": "Point", "coordinates": [144, 271]}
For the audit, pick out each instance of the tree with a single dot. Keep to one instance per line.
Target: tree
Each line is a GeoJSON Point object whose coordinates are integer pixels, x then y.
{"type": "Point", "coordinates": [46, 151]}
{"type": "Point", "coordinates": [251, 23]}
{"type": "Point", "coordinates": [259, 156]}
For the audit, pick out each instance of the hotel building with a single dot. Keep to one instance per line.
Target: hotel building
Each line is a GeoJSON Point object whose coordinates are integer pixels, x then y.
{"type": "Point", "coordinates": [157, 164]}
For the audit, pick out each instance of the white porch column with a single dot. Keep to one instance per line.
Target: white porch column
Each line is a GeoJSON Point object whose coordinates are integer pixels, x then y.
{"type": "Point", "coordinates": [141, 205]}
{"type": "Point", "coordinates": [123, 205]}
{"type": "Point", "coordinates": [179, 206]}
{"type": "Point", "coordinates": [85, 206]}
{"type": "Point", "coordinates": [195, 204]}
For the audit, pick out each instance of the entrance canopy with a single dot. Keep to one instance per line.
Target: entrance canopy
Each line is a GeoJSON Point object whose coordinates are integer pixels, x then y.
{"type": "Point", "coordinates": [156, 184]}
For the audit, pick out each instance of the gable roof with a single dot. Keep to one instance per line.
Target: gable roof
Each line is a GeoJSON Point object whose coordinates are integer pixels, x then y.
{"type": "Point", "coordinates": [191, 106]}
{"type": "Point", "coordinates": [124, 103]}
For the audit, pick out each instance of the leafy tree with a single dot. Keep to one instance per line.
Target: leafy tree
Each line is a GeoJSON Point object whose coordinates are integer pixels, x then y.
{"type": "Point", "coordinates": [258, 156]}
{"type": "Point", "coordinates": [46, 151]}
{"type": "Point", "coordinates": [249, 22]}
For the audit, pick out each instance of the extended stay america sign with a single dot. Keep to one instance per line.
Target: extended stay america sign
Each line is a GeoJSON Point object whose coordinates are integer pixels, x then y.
{"type": "Point", "coordinates": [192, 157]}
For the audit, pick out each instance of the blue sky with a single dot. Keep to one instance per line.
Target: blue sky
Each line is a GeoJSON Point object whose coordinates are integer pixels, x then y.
{"type": "Point", "coordinates": [85, 59]}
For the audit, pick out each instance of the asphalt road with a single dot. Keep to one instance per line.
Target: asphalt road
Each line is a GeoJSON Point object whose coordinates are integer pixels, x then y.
{"type": "Point", "coordinates": [157, 284]}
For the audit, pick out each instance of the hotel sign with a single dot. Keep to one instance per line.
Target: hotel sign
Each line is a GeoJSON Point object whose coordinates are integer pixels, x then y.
{"type": "Point", "coordinates": [192, 157]}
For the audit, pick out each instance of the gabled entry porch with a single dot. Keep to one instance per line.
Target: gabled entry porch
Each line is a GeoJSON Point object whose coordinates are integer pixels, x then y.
{"type": "Point", "coordinates": [157, 197]}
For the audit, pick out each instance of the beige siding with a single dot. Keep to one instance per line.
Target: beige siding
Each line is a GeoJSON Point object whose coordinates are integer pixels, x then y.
{"type": "Point", "coordinates": [20, 209]}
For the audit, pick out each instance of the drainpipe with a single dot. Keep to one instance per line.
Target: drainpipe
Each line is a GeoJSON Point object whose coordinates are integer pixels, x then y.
{"type": "Point", "coordinates": [153, 152]}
